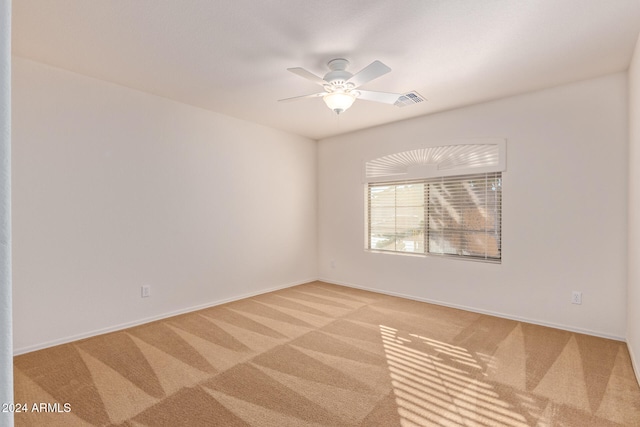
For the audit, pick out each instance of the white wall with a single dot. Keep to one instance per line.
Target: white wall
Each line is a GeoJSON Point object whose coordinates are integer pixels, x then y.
{"type": "Point", "coordinates": [6, 344]}
{"type": "Point", "coordinates": [116, 188]}
{"type": "Point", "coordinates": [564, 209]}
{"type": "Point", "coordinates": [633, 298]}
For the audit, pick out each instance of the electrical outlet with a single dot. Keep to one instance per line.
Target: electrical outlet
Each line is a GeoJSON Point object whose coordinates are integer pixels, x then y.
{"type": "Point", "coordinates": [576, 297]}
{"type": "Point", "coordinates": [145, 291]}
{"type": "Point", "coordinates": [333, 263]}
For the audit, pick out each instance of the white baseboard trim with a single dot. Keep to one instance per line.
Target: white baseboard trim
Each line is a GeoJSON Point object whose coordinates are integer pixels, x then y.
{"type": "Point", "coordinates": [480, 311]}
{"type": "Point", "coordinates": [121, 326]}
{"type": "Point", "coordinates": [114, 328]}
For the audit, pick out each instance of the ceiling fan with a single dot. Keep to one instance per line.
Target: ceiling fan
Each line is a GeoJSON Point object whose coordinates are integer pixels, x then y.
{"type": "Point", "coordinates": [341, 87]}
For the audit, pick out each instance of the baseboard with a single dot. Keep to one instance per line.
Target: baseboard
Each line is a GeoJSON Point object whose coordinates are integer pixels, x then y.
{"type": "Point", "coordinates": [478, 310]}
{"type": "Point", "coordinates": [121, 326]}
{"type": "Point", "coordinates": [65, 340]}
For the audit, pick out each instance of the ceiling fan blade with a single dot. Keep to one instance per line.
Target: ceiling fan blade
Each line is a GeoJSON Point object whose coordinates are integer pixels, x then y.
{"type": "Point", "coordinates": [368, 73]}
{"type": "Point", "coordinates": [295, 98]}
{"type": "Point", "coordinates": [307, 75]}
{"type": "Point", "coordinates": [384, 97]}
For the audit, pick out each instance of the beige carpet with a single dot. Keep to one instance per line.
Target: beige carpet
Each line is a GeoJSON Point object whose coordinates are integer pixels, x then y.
{"type": "Point", "coordinates": [325, 355]}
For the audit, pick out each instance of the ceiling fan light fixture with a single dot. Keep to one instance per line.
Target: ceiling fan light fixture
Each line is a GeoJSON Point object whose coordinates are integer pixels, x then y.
{"type": "Point", "coordinates": [339, 101]}
{"type": "Point", "coordinates": [341, 87]}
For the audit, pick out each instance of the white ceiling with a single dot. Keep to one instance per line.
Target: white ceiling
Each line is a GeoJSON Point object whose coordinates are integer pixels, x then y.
{"type": "Point", "coordinates": [231, 56]}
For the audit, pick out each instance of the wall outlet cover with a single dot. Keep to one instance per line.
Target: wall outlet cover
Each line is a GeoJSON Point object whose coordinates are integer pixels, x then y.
{"type": "Point", "coordinates": [576, 297]}
{"type": "Point", "coordinates": [145, 291]}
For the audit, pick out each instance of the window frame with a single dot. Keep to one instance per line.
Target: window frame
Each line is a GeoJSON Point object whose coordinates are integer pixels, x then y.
{"type": "Point", "coordinates": [494, 231]}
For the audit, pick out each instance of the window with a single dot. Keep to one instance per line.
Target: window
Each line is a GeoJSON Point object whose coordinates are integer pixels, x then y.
{"type": "Point", "coordinates": [456, 216]}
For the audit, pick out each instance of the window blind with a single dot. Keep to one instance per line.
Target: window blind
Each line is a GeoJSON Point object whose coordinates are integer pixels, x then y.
{"type": "Point", "coordinates": [451, 158]}
{"type": "Point", "coordinates": [453, 216]}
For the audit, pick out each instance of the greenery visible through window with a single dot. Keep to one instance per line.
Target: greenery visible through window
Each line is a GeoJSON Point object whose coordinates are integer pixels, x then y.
{"type": "Point", "coordinates": [458, 216]}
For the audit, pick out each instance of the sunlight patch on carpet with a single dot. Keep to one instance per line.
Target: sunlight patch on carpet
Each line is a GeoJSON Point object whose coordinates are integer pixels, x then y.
{"type": "Point", "coordinates": [428, 390]}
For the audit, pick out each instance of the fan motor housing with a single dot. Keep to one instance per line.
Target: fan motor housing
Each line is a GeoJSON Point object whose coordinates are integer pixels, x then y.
{"type": "Point", "coordinates": [338, 75]}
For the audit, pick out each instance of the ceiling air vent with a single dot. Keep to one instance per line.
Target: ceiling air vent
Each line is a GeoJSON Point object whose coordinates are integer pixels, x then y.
{"type": "Point", "coordinates": [409, 99]}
